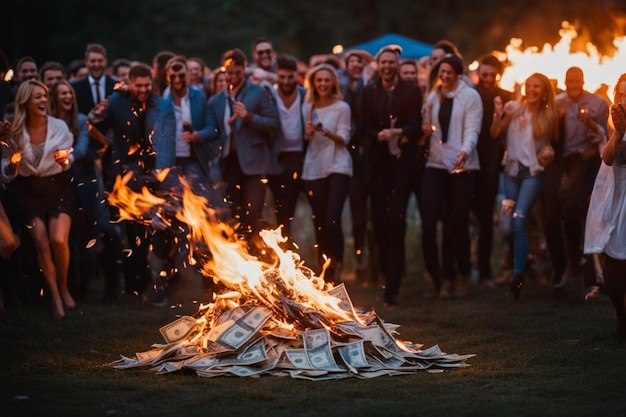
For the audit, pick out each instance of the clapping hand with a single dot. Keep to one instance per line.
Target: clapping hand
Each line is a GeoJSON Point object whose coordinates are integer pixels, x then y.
{"type": "Point", "coordinates": [618, 115]}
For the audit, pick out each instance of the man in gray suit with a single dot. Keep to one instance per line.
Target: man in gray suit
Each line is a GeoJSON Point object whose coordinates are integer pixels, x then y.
{"type": "Point", "coordinates": [245, 131]}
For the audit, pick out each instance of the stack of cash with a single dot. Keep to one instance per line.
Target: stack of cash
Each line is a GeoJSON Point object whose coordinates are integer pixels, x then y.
{"type": "Point", "coordinates": [225, 338]}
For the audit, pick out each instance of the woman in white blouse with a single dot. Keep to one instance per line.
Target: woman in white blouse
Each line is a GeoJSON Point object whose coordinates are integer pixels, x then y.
{"type": "Point", "coordinates": [327, 163]}
{"type": "Point", "coordinates": [36, 162]}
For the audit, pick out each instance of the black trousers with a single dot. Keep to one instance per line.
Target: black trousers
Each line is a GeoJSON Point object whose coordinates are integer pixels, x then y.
{"type": "Point", "coordinates": [483, 203]}
{"type": "Point", "coordinates": [327, 197]}
{"type": "Point", "coordinates": [390, 190]}
{"type": "Point", "coordinates": [286, 188]}
{"type": "Point", "coordinates": [245, 193]}
{"type": "Point", "coordinates": [454, 192]}
{"type": "Point", "coordinates": [565, 199]}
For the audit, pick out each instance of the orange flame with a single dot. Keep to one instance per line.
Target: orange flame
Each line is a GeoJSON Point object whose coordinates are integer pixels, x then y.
{"type": "Point", "coordinates": [553, 61]}
{"type": "Point", "coordinates": [231, 264]}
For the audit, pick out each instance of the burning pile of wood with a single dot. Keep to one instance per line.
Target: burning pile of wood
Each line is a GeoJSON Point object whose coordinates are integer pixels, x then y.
{"type": "Point", "coordinates": [274, 318]}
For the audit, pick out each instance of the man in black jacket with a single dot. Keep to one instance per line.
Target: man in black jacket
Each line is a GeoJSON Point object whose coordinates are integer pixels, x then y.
{"type": "Point", "coordinates": [391, 125]}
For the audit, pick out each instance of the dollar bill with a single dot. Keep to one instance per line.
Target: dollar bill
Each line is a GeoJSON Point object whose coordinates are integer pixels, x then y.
{"type": "Point", "coordinates": [318, 349]}
{"type": "Point", "coordinates": [298, 358]}
{"type": "Point", "coordinates": [353, 354]}
{"type": "Point", "coordinates": [237, 333]}
{"type": "Point", "coordinates": [177, 329]}
{"type": "Point", "coordinates": [345, 302]}
{"type": "Point", "coordinates": [252, 355]}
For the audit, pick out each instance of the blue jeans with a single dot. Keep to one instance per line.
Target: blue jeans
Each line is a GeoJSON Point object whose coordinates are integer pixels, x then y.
{"type": "Point", "coordinates": [524, 189]}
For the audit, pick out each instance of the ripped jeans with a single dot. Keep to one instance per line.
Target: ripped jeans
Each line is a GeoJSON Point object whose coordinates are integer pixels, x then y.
{"type": "Point", "coordinates": [524, 189]}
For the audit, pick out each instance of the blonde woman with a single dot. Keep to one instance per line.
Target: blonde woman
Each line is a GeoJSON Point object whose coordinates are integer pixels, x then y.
{"type": "Point", "coordinates": [327, 163]}
{"type": "Point", "coordinates": [531, 126]}
{"type": "Point", "coordinates": [36, 160]}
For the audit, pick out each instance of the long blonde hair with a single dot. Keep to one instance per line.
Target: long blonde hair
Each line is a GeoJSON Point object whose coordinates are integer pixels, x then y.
{"type": "Point", "coordinates": [311, 94]}
{"type": "Point", "coordinates": [71, 118]}
{"type": "Point", "coordinates": [544, 117]}
{"type": "Point", "coordinates": [20, 120]}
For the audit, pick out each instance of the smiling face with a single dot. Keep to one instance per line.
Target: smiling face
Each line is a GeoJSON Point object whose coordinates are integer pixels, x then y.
{"type": "Point", "coordinates": [323, 83]}
{"type": "Point", "coordinates": [448, 76]}
{"type": "Point", "coordinates": [220, 81]}
{"type": "Point", "coordinates": [354, 66]}
{"type": "Point", "coordinates": [37, 104]}
{"type": "Point", "coordinates": [64, 97]}
{"type": "Point", "coordinates": [51, 77]}
{"type": "Point", "coordinates": [27, 71]}
{"type": "Point", "coordinates": [408, 72]}
{"type": "Point", "coordinates": [535, 91]}
{"type": "Point", "coordinates": [263, 54]}
{"type": "Point", "coordinates": [574, 82]}
{"type": "Point", "coordinates": [140, 88]}
{"type": "Point", "coordinates": [176, 75]}
{"type": "Point", "coordinates": [487, 76]}
{"type": "Point", "coordinates": [96, 64]}
{"type": "Point", "coordinates": [388, 66]}
{"type": "Point", "coordinates": [235, 75]}
{"type": "Point", "coordinates": [286, 81]}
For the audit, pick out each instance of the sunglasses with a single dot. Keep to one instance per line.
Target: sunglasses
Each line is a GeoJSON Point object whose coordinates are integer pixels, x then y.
{"type": "Point", "coordinates": [180, 76]}
{"type": "Point", "coordinates": [264, 52]}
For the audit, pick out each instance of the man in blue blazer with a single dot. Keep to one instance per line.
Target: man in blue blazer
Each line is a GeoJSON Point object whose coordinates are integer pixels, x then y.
{"type": "Point", "coordinates": [143, 125]}
{"type": "Point", "coordinates": [143, 139]}
{"type": "Point", "coordinates": [193, 147]}
{"type": "Point", "coordinates": [245, 126]}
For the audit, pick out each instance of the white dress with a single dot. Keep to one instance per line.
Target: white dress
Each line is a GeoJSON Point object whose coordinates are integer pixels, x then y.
{"type": "Point", "coordinates": [605, 229]}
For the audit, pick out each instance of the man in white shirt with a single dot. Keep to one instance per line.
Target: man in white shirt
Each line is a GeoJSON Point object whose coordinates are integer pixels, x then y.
{"type": "Point", "coordinates": [287, 185]}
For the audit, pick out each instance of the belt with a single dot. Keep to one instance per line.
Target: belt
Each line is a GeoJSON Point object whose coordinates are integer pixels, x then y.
{"type": "Point", "coordinates": [185, 160]}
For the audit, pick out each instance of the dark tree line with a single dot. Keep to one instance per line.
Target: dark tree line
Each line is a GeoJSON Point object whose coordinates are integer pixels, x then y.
{"type": "Point", "coordinates": [60, 29]}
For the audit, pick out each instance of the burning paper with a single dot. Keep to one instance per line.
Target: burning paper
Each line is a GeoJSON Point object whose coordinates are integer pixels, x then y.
{"type": "Point", "coordinates": [275, 316]}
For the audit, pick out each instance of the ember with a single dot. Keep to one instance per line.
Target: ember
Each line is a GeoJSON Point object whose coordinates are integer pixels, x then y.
{"type": "Point", "coordinates": [273, 317]}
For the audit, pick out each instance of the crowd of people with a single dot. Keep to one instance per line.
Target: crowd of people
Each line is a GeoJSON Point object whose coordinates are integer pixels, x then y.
{"type": "Point", "coordinates": [368, 130]}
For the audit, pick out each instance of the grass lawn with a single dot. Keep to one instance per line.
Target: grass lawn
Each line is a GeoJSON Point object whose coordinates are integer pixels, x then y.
{"type": "Point", "coordinates": [539, 356]}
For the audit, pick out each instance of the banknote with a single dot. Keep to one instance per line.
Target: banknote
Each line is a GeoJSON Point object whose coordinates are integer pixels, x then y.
{"type": "Point", "coordinates": [353, 354]}
{"type": "Point", "coordinates": [234, 334]}
{"type": "Point", "coordinates": [177, 329]}
{"type": "Point", "coordinates": [318, 349]}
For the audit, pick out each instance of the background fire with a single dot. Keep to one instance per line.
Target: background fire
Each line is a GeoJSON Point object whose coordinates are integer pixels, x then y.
{"type": "Point", "coordinates": [553, 61]}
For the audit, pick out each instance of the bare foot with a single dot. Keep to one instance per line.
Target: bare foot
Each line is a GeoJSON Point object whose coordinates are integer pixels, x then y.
{"type": "Point", "coordinates": [58, 311]}
{"type": "Point", "coordinates": [68, 301]}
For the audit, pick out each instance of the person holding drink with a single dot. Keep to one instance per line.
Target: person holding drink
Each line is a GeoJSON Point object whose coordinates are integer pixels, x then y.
{"type": "Point", "coordinates": [36, 161]}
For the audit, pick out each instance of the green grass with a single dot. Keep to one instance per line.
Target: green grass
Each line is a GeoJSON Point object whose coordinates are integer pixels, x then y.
{"type": "Point", "coordinates": [535, 357]}
{"type": "Point", "coordinates": [538, 356]}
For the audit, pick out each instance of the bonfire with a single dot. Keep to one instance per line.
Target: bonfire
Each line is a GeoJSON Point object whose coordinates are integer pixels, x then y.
{"type": "Point", "coordinates": [273, 315]}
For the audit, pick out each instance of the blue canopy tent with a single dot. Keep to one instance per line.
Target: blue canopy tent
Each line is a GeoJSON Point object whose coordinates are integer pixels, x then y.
{"type": "Point", "coordinates": [411, 48]}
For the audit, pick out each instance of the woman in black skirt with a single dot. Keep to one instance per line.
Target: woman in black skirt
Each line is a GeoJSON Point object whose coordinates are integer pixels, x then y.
{"type": "Point", "coordinates": [36, 161]}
